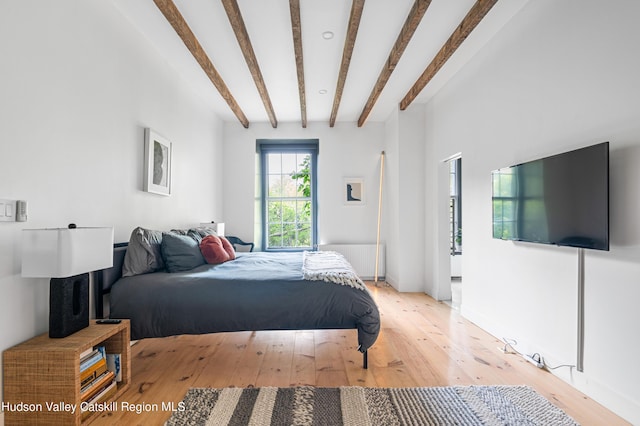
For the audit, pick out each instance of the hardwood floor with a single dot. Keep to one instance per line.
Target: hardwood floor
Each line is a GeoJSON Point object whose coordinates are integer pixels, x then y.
{"type": "Point", "coordinates": [422, 343]}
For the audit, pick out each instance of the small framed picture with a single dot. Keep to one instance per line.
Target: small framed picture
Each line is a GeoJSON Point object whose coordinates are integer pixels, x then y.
{"type": "Point", "coordinates": [157, 163]}
{"type": "Point", "coordinates": [353, 191]}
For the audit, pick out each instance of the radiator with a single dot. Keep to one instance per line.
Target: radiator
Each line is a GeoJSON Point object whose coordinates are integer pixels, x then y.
{"type": "Point", "coordinates": [362, 257]}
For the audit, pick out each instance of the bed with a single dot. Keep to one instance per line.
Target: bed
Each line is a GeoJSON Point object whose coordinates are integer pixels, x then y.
{"type": "Point", "coordinates": [256, 291]}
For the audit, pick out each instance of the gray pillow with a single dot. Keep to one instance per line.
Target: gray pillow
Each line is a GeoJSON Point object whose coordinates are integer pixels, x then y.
{"type": "Point", "coordinates": [199, 233]}
{"type": "Point", "coordinates": [143, 253]}
{"type": "Point", "coordinates": [180, 231]}
{"type": "Point", "coordinates": [180, 252]}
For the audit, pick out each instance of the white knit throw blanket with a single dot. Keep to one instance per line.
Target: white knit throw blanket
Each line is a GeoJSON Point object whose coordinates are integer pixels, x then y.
{"type": "Point", "coordinates": [330, 266]}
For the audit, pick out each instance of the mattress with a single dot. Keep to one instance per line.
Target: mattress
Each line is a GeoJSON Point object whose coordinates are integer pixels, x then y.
{"type": "Point", "coordinates": [256, 291]}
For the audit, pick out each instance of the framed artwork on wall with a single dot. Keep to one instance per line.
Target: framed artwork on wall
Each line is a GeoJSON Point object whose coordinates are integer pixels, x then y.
{"type": "Point", "coordinates": [353, 191]}
{"type": "Point", "coordinates": [157, 163]}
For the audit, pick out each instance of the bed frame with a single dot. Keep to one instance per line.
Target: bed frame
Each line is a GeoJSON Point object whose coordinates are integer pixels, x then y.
{"type": "Point", "coordinates": [104, 279]}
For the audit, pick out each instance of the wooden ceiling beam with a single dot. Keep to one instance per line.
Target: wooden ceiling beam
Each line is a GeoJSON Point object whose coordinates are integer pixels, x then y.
{"type": "Point", "coordinates": [177, 21]}
{"type": "Point", "coordinates": [240, 30]}
{"type": "Point", "coordinates": [468, 24]}
{"type": "Point", "coordinates": [352, 31]}
{"type": "Point", "coordinates": [296, 29]}
{"type": "Point", "coordinates": [411, 23]}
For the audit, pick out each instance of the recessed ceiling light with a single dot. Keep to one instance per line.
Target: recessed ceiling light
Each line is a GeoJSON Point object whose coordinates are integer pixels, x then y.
{"type": "Point", "coordinates": [327, 35]}
{"type": "Point", "coordinates": [322, 91]}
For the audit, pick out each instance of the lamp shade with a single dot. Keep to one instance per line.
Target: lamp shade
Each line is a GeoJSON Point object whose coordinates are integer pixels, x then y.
{"type": "Point", "coordinates": [64, 252]}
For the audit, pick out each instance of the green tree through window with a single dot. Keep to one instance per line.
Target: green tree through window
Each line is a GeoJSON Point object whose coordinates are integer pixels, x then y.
{"type": "Point", "coordinates": [289, 216]}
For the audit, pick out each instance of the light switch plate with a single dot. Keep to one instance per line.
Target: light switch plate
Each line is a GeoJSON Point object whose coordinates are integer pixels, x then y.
{"type": "Point", "coordinates": [7, 210]}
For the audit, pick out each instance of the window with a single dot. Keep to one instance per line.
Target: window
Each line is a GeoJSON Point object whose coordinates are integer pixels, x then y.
{"type": "Point", "coordinates": [518, 203]}
{"type": "Point", "coordinates": [289, 211]}
{"type": "Point", "coordinates": [505, 203]}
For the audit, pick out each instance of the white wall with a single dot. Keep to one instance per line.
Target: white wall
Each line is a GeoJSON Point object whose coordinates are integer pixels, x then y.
{"type": "Point", "coordinates": [391, 200]}
{"type": "Point", "coordinates": [407, 181]}
{"type": "Point", "coordinates": [345, 151]}
{"type": "Point", "coordinates": [78, 87]}
{"type": "Point", "coordinates": [561, 75]}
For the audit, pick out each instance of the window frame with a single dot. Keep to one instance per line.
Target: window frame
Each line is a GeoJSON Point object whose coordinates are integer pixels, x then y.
{"type": "Point", "coordinates": [290, 146]}
{"type": "Point", "coordinates": [455, 206]}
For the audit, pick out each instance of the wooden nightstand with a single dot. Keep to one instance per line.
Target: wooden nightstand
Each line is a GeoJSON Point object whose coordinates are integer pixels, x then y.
{"type": "Point", "coordinates": [43, 375]}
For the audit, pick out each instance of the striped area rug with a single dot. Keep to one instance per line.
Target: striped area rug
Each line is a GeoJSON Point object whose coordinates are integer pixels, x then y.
{"type": "Point", "coordinates": [458, 405]}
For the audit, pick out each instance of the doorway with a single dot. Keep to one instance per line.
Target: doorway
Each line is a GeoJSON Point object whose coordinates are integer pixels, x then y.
{"type": "Point", "coordinates": [455, 228]}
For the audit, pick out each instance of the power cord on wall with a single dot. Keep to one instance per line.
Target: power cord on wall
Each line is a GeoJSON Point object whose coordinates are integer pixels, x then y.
{"type": "Point", "coordinates": [548, 367]}
{"type": "Point", "coordinates": [535, 359]}
{"type": "Point", "coordinates": [508, 347]}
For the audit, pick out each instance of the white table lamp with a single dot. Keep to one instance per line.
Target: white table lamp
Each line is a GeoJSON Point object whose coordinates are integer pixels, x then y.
{"type": "Point", "coordinates": [66, 255]}
{"type": "Point", "coordinates": [218, 227]}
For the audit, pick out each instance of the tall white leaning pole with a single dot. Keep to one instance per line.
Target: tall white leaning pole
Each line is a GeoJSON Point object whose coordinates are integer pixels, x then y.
{"type": "Point", "coordinates": [379, 216]}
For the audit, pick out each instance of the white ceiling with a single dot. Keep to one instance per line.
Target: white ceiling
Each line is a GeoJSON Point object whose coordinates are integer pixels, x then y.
{"type": "Point", "coordinates": [268, 23]}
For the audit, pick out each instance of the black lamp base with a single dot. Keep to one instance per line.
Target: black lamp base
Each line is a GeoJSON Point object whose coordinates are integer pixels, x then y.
{"type": "Point", "coordinates": [68, 305]}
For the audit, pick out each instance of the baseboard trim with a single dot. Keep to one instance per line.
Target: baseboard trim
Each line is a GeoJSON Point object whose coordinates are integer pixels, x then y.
{"type": "Point", "coordinates": [392, 282]}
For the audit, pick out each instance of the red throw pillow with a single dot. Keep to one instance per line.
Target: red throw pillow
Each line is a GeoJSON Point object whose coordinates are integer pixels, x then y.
{"type": "Point", "coordinates": [212, 250]}
{"type": "Point", "coordinates": [228, 247]}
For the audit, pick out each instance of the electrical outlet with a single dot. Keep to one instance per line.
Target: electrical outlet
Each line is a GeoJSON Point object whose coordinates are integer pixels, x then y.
{"type": "Point", "coordinates": [538, 361]}
{"type": "Point", "coordinates": [506, 349]}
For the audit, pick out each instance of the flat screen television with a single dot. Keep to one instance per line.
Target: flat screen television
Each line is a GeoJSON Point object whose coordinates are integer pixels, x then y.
{"type": "Point", "coordinates": [561, 200]}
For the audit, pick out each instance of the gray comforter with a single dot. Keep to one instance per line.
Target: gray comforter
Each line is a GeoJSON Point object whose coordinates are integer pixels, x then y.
{"type": "Point", "coordinates": [257, 291]}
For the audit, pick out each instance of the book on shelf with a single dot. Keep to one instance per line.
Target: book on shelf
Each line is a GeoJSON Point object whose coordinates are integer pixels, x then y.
{"type": "Point", "coordinates": [90, 374]}
{"type": "Point", "coordinates": [113, 364]}
{"type": "Point", "coordinates": [97, 385]}
{"type": "Point", "coordinates": [85, 353]}
{"type": "Point", "coordinates": [106, 393]}
{"type": "Point", "coordinates": [88, 360]}
{"type": "Point", "coordinates": [94, 356]}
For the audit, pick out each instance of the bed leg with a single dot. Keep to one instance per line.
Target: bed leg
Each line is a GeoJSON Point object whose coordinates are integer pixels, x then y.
{"type": "Point", "coordinates": [365, 360]}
